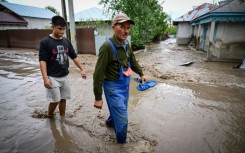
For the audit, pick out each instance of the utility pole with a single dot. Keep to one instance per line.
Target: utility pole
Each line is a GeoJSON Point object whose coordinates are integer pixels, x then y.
{"type": "Point", "coordinates": [72, 25]}
{"type": "Point", "coordinates": [63, 4]}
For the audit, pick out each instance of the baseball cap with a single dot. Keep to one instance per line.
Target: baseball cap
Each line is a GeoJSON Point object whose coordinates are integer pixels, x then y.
{"type": "Point", "coordinates": [120, 18]}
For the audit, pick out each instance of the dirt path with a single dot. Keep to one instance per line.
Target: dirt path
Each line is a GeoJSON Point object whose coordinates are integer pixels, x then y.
{"type": "Point", "coordinates": [163, 62]}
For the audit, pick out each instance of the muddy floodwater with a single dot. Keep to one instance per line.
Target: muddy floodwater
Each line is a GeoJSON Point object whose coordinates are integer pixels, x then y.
{"type": "Point", "coordinates": [195, 108]}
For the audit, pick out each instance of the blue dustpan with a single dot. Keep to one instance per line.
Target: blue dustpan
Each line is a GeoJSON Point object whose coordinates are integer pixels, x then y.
{"type": "Point", "coordinates": [137, 80]}
{"type": "Point", "coordinates": [146, 85]}
{"type": "Point", "coordinates": [150, 83]}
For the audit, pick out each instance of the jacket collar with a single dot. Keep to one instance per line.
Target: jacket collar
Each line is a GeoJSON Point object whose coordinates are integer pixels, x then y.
{"type": "Point", "coordinates": [118, 44]}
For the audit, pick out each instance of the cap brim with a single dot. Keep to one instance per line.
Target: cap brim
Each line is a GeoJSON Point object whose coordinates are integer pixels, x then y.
{"type": "Point", "coordinates": [131, 21]}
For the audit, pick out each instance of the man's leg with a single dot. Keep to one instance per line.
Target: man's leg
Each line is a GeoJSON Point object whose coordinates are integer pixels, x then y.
{"type": "Point", "coordinates": [62, 107]}
{"type": "Point", "coordinates": [120, 120]}
{"type": "Point", "coordinates": [118, 113]}
{"type": "Point", "coordinates": [65, 93]}
{"type": "Point", "coordinates": [51, 108]}
{"type": "Point", "coordinates": [109, 121]}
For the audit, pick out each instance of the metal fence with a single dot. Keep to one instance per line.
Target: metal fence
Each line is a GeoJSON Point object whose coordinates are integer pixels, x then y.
{"type": "Point", "coordinates": [30, 38]}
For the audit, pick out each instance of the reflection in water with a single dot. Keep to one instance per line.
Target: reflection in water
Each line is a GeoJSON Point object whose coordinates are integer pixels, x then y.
{"type": "Point", "coordinates": [63, 140]}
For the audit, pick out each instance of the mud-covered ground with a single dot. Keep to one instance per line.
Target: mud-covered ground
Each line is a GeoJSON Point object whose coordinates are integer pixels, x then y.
{"type": "Point", "coordinates": [194, 108]}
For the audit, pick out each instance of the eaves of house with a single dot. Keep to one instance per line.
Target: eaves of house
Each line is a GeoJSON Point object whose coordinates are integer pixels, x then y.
{"type": "Point", "coordinates": [11, 19]}
{"type": "Point", "coordinates": [28, 11]}
{"type": "Point", "coordinates": [196, 12]}
{"type": "Point", "coordinates": [231, 11]}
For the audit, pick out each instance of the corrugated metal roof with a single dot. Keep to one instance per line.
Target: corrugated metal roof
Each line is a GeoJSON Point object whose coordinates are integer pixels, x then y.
{"type": "Point", "coordinates": [231, 7]}
{"type": "Point", "coordinates": [227, 11]}
{"type": "Point", "coordinates": [29, 11]}
{"type": "Point", "coordinates": [92, 14]}
{"type": "Point", "coordinates": [198, 11]}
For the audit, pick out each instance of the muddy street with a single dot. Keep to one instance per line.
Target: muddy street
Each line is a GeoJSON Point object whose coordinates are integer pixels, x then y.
{"type": "Point", "coordinates": [195, 108]}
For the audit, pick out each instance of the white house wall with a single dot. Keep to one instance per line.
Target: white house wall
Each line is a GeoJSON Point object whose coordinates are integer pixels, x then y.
{"type": "Point", "coordinates": [105, 30]}
{"type": "Point", "coordinates": [230, 41]}
{"type": "Point", "coordinates": [33, 23]}
{"type": "Point", "coordinates": [229, 32]}
{"type": "Point", "coordinates": [183, 33]}
{"type": "Point", "coordinates": [37, 23]}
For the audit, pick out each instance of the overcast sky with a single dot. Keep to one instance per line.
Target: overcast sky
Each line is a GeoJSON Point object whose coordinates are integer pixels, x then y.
{"type": "Point", "coordinates": [175, 8]}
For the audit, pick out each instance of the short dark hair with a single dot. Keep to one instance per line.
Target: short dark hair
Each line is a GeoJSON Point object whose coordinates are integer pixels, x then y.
{"type": "Point", "coordinates": [58, 20]}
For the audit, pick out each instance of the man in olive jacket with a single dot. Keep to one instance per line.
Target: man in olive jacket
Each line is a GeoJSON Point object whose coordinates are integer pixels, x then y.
{"type": "Point", "coordinates": [115, 63]}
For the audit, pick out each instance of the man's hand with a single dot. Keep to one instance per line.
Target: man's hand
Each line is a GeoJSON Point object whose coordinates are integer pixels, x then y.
{"type": "Point", "coordinates": [47, 84]}
{"type": "Point", "coordinates": [98, 104]}
{"type": "Point", "coordinates": [143, 79]}
{"type": "Point", "coordinates": [83, 73]}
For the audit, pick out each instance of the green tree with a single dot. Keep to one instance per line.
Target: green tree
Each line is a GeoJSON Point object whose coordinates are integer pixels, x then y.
{"type": "Point", "coordinates": [51, 8]}
{"type": "Point", "coordinates": [171, 30]}
{"type": "Point", "coordinates": [3, 1]}
{"type": "Point", "coordinates": [147, 14]}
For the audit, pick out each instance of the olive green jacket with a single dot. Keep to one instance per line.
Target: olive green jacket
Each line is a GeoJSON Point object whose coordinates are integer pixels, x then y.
{"type": "Point", "coordinates": [107, 66]}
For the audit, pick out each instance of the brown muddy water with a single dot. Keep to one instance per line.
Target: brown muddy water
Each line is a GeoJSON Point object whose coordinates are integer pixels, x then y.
{"type": "Point", "coordinates": [192, 109]}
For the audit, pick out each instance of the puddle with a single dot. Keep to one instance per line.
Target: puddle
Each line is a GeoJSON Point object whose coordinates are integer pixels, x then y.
{"type": "Point", "coordinates": [193, 118]}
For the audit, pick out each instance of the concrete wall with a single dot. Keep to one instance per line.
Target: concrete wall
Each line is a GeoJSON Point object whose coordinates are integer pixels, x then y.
{"type": "Point", "coordinates": [198, 36]}
{"type": "Point", "coordinates": [230, 41]}
{"type": "Point", "coordinates": [183, 33]}
{"type": "Point", "coordinates": [230, 32]}
{"type": "Point", "coordinates": [206, 39]}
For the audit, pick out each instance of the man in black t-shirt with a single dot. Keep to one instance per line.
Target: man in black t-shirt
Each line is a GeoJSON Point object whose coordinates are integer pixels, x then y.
{"type": "Point", "coordinates": [54, 54]}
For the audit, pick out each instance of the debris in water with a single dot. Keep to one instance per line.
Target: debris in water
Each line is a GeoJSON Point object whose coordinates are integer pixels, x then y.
{"type": "Point", "coordinates": [40, 114]}
{"type": "Point", "coordinates": [187, 63]}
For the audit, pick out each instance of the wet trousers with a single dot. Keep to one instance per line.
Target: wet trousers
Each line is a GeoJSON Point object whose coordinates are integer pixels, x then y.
{"type": "Point", "coordinates": [117, 93]}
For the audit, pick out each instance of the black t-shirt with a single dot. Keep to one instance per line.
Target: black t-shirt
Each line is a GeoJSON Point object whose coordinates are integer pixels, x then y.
{"type": "Point", "coordinates": [56, 52]}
